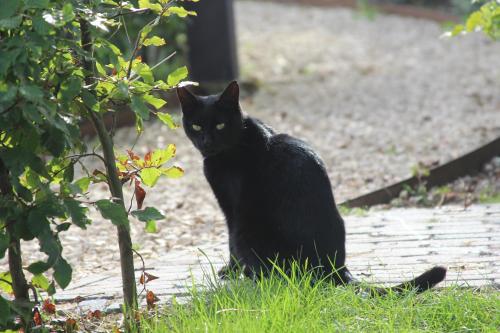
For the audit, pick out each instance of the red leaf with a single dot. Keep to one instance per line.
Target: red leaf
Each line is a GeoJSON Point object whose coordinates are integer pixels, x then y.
{"type": "Point", "coordinates": [151, 299]}
{"type": "Point", "coordinates": [37, 318]}
{"type": "Point", "coordinates": [70, 325]}
{"type": "Point", "coordinates": [147, 158]}
{"type": "Point", "coordinates": [150, 277]}
{"type": "Point", "coordinates": [48, 307]}
{"type": "Point", "coordinates": [78, 299]}
{"type": "Point", "coordinates": [140, 194]}
{"type": "Point", "coordinates": [97, 314]}
{"type": "Point", "coordinates": [132, 155]}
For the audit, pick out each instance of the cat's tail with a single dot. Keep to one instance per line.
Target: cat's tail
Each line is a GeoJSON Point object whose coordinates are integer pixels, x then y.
{"type": "Point", "coordinates": [421, 283]}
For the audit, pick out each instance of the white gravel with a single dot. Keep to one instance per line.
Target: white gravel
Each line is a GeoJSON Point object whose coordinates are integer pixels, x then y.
{"type": "Point", "coordinates": [372, 97]}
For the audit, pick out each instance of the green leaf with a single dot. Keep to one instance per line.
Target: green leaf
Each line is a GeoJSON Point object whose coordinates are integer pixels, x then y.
{"type": "Point", "coordinates": [155, 41]}
{"type": "Point", "coordinates": [83, 184]}
{"type": "Point", "coordinates": [6, 282]}
{"type": "Point", "coordinates": [49, 244]}
{"type": "Point", "coordinates": [179, 11]}
{"type": "Point", "coordinates": [154, 101]}
{"type": "Point", "coordinates": [4, 311]}
{"type": "Point", "coordinates": [39, 267]}
{"type": "Point", "coordinates": [147, 4]}
{"type": "Point", "coordinates": [63, 226]}
{"type": "Point", "coordinates": [172, 172]}
{"type": "Point", "coordinates": [62, 273]}
{"type": "Point", "coordinates": [176, 76]}
{"type": "Point", "coordinates": [11, 23]}
{"type": "Point", "coordinates": [54, 141]}
{"type": "Point", "coordinates": [40, 281]}
{"type": "Point", "coordinates": [31, 92]}
{"type": "Point", "coordinates": [147, 214]}
{"type": "Point", "coordinates": [149, 176]}
{"type": "Point", "coordinates": [67, 12]}
{"type": "Point", "coordinates": [40, 4]}
{"type": "Point", "coordinates": [139, 107]}
{"type": "Point", "coordinates": [9, 8]}
{"type": "Point", "coordinates": [151, 227]}
{"type": "Point", "coordinates": [37, 221]}
{"type": "Point", "coordinates": [112, 211]}
{"type": "Point", "coordinates": [4, 243]}
{"type": "Point", "coordinates": [90, 101]}
{"type": "Point", "coordinates": [144, 71]}
{"type": "Point", "coordinates": [77, 212]}
{"type": "Point", "coordinates": [71, 88]}
{"type": "Point", "coordinates": [167, 120]}
{"type": "Point", "coordinates": [161, 156]}
{"type": "Point", "coordinates": [100, 69]}
{"type": "Point", "coordinates": [139, 124]}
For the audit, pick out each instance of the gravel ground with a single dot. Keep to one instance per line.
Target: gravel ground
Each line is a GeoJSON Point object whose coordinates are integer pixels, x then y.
{"type": "Point", "coordinates": [374, 98]}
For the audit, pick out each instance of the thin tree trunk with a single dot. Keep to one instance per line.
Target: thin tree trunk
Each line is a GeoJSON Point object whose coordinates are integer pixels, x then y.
{"type": "Point", "coordinates": [115, 186]}
{"type": "Point", "coordinates": [19, 284]}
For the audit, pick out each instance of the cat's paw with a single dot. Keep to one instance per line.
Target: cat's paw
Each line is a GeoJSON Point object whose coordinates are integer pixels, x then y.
{"type": "Point", "coordinates": [225, 272]}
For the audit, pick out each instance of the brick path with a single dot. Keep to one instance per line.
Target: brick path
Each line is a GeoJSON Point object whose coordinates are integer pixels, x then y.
{"type": "Point", "coordinates": [385, 247]}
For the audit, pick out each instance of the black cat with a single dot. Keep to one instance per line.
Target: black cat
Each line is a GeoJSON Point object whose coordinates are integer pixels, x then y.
{"type": "Point", "coordinates": [273, 190]}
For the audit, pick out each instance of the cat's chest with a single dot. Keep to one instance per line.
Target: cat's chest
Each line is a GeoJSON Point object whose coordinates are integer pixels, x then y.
{"type": "Point", "coordinates": [226, 177]}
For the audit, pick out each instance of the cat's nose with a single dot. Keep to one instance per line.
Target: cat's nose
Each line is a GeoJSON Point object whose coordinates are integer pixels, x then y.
{"type": "Point", "coordinates": [207, 140]}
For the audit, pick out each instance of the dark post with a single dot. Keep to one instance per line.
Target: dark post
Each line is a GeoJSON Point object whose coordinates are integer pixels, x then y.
{"type": "Point", "coordinates": [212, 44]}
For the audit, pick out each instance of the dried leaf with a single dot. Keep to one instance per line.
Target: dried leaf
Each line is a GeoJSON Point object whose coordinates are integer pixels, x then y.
{"type": "Point", "coordinates": [151, 299]}
{"type": "Point", "coordinates": [150, 277]}
{"type": "Point", "coordinates": [37, 318]}
{"type": "Point", "coordinates": [141, 279]}
{"type": "Point", "coordinates": [70, 325]}
{"type": "Point", "coordinates": [140, 194]}
{"type": "Point", "coordinates": [147, 159]}
{"type": "Point", "coordinates": [133, 156]}
{"type": "Point", "coordinates": [96, 314]}
{"type": "Point", "coordinates": [49, 307]}
{"type": "Point", "coordinates": [78, 299]}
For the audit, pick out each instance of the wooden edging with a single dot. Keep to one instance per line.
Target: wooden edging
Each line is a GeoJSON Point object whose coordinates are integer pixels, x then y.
{"type": "Point", "coordinates": [464, 165]}
{"type": "Point", "coordinates": [401, 10]}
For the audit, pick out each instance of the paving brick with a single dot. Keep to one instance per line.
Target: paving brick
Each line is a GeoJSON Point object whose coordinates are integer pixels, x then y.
{"type": "Point", "coordinates": [385, 247]}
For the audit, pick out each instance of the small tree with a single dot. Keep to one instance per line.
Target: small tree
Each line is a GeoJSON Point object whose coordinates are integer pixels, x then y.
{"type": "Point", "coordinates": [58, 66]}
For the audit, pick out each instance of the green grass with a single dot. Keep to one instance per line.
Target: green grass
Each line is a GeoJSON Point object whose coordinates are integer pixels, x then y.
{"type": "Point", "coordinates": [296, 305]}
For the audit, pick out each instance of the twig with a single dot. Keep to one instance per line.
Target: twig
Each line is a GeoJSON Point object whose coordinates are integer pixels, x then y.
{"type": "Point", "coordinates": [10, 108]}
{"type": "Point", "coordinates": [143, 269]}
{"type": "Point", "coordinates": [3, 280]}
{"type": "Point", "coordinates": [137, 44]}
{"type": "Point", "coordinates": [131, 202]}
{"type": "Point", "coordinates": [158, 64]}
{"type": "Point", "coordinates": [139, 11]}
{"type": "Point", "coordinates": [86, 155]}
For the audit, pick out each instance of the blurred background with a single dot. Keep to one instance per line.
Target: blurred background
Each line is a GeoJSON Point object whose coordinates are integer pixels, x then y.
{"type": "Point", "coordinates": [373, 86]}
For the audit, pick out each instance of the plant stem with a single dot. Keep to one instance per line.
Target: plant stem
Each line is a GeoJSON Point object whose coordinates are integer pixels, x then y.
{"type": "Point", "coordinates": [115, 186]}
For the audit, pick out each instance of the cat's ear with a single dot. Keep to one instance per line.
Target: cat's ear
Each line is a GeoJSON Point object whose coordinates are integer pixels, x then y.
{"type": "Point", "coordinates": [188, 99]}
{"type": "Point", "coordinates": [230, 96]}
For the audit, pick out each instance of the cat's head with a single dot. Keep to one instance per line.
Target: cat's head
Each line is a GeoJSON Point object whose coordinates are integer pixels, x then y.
{"type": "Point", "coordinates": [213, 123]}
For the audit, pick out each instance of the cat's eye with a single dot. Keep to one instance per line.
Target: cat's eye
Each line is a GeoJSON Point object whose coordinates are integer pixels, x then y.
{"type": "Point", "coordinates": [220, 126]}
{"type": "Point", "coordinates": [197, 128]}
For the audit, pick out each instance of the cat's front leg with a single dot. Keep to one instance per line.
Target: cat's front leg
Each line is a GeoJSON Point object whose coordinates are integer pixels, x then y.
{"type": "Point", "coordinates": [229, 270]}
{"type": "Point", "coordinates": [232, 267]}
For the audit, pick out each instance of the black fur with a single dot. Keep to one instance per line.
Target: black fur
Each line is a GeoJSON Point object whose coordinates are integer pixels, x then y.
{"type": "Point", "coordinates": [273, 190]}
